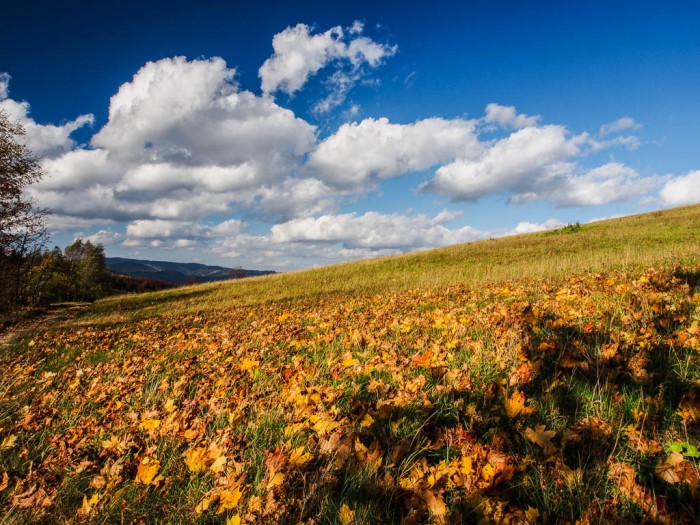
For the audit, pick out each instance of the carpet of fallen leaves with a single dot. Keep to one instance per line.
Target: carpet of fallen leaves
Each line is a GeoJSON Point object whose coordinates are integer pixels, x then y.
{"type": "Point", "coordinates": [569, 401]}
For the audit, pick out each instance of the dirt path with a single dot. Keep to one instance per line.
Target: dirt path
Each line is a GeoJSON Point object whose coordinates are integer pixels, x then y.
{"type": "Point", "coordinates": [51, 316]}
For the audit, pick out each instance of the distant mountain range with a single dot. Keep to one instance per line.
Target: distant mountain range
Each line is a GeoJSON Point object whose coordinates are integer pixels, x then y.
{"type": "Point", "coordinates": [176, 273]}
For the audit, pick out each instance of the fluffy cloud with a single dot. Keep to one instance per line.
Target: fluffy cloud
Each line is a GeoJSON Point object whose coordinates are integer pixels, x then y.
{"type": "Point", "coordinates": [610, 182]}
{"type": "Point", "coordinates": [540, 163]}
{"type": "Point", "coordinates": [507, 117]}
{"type": "Point", "coordinates": [527, 162]}
{"type": "Point", "coordinates": [531, 227]}
{"type": "Point", "coordinates": [511, 164]}
{"type": "Point", "coordinates": [296, 198]}
{"type": "Point", "coordinates": [374, 231]}
{"type": "Point", "coordinates": [175, 233]}
{"type": "Point", "coordinates": [359, 153]}
{"type": "Point", "coordinates": [298, 55]}
{"type": "Point", "coordinates": [682, 190]}
{"type": "Point", "coordinates": [45, 140]}
{"type": "Point", "coordinates": [104, 237]}
{"type": "Point", "coordinates": [336, 238]}
{"type": "Point", "coordinates": [191, 113]}
{"type": "Point", "coordinates": [182, 142]}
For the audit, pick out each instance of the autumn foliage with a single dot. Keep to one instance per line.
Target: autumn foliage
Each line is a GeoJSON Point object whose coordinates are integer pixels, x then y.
{"type": "Point", "coordinates": [563, 400]}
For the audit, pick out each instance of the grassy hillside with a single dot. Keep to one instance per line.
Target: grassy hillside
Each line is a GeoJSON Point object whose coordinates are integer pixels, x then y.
{"type": "Point", "coordinates": [550, 377]}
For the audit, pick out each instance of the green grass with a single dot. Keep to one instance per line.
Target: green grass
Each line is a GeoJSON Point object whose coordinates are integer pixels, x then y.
{"type": "Point", "coordinates": [668, 236]}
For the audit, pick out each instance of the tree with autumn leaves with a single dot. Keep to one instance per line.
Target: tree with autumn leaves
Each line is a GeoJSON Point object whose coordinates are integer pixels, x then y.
{"type": "Point", "coordinates": [22, 223]}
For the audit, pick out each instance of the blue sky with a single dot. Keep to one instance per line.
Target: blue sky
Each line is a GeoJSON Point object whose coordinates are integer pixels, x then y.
{"type": "Point", "coordinates": [275, 135]}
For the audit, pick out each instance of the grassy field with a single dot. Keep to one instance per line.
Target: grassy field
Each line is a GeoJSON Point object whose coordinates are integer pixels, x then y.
{"type": "Point", "coordinates": [544, 378]}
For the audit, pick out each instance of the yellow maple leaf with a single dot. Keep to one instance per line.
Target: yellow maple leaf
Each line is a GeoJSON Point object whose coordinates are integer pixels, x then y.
{"type": "Point", "coordinates": [88, 505]}
{"type": "Point", "coordinates": [515, 405]}
{"type": "Point", "coordinates": [531, 515]}
{"type": "Point", "coordinates": [487, 472]}
{"type": "Point", "coordinates": [367, 421]}
{"type": "Point", "coordinates": [466, 465]}
{"type": "Point", "coordinates": [349, 360]}
{"type": "Point", "coordinates": [218, 464]}
{"type": "Point", "coordinates": [111, 443]}
{"type": "Point", "coordinates": [234, 520]}
{"type": "Point", "coordinates": [249, 364]}
{"type": "Point", "coordinates": [149, 424]}
{"type": "Point", "coordinates": [346, 514]}
{"type": "Point", "coordinates": [170, 405]}
{"type": "Point", "coordinates": [228, 499]}
{"type": "Point", "coordinates": [203, 505]}
{"type": "Point", "coordinates": [195, 459]}
{"type": "Point", "coordinates": [190, 434]}
{"type": "Point", "coordinates": [298, 458]}
{"type": "Point", "coordinates": [275, 481]}
{"type": "Point", "coordinates": [8, 442]}
{"type": "Point", "coordinates": [147, 470]}
{"type": "Point", "coordinates": [324, 425]}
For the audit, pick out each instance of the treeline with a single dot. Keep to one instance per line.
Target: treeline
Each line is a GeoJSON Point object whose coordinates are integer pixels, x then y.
{"type": "Point", "coordinates": [78, 273]}
{"type": "Point", "coordinates": [31, 275]}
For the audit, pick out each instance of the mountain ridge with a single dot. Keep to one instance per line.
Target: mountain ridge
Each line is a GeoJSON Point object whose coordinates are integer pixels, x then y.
{"type": "Point", "coordinates": [176, 272]}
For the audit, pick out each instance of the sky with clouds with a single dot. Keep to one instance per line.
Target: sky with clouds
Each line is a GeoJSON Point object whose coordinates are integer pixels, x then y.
{"type": "Point", "coordinates": [280, 136]}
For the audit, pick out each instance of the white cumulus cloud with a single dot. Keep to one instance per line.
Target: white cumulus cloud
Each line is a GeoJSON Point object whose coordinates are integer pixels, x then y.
{"type": "Point", "coordinates": [359, 153]}
{"type": "Point", "coordinates": [508, 117]}
{"type": "Point", "coordinates": [511, 164]}
{"type": "Point", "coordinates": [182, 142]}
{"type": "Point", "coordinates": [299, 55]}
{"type": "Point", "coordinates": [44, 140]}
{"type": "Point", "coordinates": [682, 190]}
{"type": "Point", "coordinates": [374, 230]}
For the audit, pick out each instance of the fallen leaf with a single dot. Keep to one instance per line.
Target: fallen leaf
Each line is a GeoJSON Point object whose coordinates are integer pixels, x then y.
{"type": "Point", "coordinates": [149, 424]}
{"type": "Point", "coordinates": [228, 499]}
{"type": "Point", "coordinates": [195, 459]}
{"type": "Point", "coordinates": [218, 464]}
{"type": "Point", "coordinates": [249, 364]}
{"type": "Point", "coordinates": [436, 504]}
{"type": "Point", "coordinates": [147, 470]}
{"type": "Point", "coordinates": [8, 442]}
{"type": "Point", "coordinates": [515, 405]}
{"type": "Point", "coordinates": [346, 515]}
{"type": "Point", "coordinates": [298, 458]}
{"type": "Point", "coordinates": [543, 438]}
{"type": "Point", "coordinates": [275, 481]}
{"type": "Point", "coordinates": [367, 421]}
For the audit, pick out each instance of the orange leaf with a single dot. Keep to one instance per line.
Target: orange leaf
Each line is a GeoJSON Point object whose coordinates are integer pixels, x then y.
{"type": "Point", "coordinates": [515, 405]}
{"type": "Point", "coordinates": [147, 470]}
{"type": "Point", "coordinates": [436, 504]}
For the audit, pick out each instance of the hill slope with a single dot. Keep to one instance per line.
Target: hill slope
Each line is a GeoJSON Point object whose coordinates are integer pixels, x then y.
{"type": "Point", "coordinates": [549, 377]}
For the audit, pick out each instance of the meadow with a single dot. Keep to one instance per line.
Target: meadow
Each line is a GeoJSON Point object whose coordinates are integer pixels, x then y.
{"type": "Point", "coordinates": [545, 378]}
